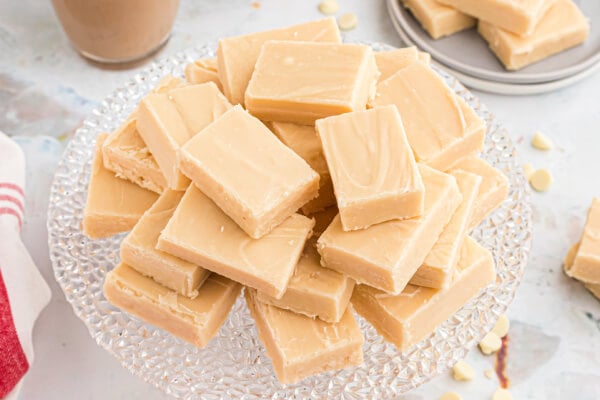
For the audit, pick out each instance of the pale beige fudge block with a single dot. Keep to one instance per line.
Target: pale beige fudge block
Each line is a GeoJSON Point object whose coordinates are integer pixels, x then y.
{"type": "Point", "coordinates": [517, 16]}
{"type": "Point", "coordinates": [409, 317]}
{"type": "Point", "coordinates": [594, 288]}
{"type": "Point", "coordinates": [374, 173]}
{"type": "Point", "coordinates": [138, 250]}
{"type": "Point", "coordinates": [202, 71]}
{"type": "Point", "coordinates": [126, 154]}
{"type": "Point", "coordinates": [387, 255]}
{"type": "Point", "coordinates": [438, 19]}
{"type": "Point", "coordinates": [390, 62]}
{"type": "Point", "coordinates": [562, 27]}
{"type": "Point", "coordinates": [166, 121]}
{"type": "Point", "coordinates": [236, 56]}
{"type": "Point", "coordinates": [314, 291]}
{"type": "Point", "coordinates": [586, 264]}
{"type": "Point", "coordinates": [201, 233]}
{"type": "Point", "coordinates": [195, 320]}
{"type": "Point", "coordinates": [301, 82]}
{"type": "Point", "coordinates": [253, 177]}
{"type": "Point", "coordinates": [303, 139]}
{"type": "Point", "coordinates": [492, 191]}
{"type": "Point", "coordinates": [113, 205]}
{"type": "Point", "coordinates": [439, 265]}
{"type": "Point", "coordinates": [299, 346]}
{"type": "Point", "coordinates": [441, 128]}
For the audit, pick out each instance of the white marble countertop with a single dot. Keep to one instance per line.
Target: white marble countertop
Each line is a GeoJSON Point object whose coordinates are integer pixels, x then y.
{"type": "Point", "coordinates": [46, 89]}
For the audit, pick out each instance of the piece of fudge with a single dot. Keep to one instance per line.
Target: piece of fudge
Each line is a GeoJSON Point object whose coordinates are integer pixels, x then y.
{"type": "Point", "coordinates": [237, 55]}
{"type": "Point", "coordinates": [441, 128]}
{"type": "Point", "coordinates": [253, 177]}
{"type": "Point", "coordinates": [437, 19]}
{"type": "Point", "coordinates": [300, 346]}
{"type": "Point", "coordinates": [409, 317]}
{"type": "Point", "coordinates": [301, 82]}
{"type": "Point", "coordinates": [564, 26]}
{"type": "Point", "coordinates": [195, 320]}
{"type": "Point", "coordinates": [374, 173]}
{"type": "Point", "coordinates": [113, 205]}
{"type": "Point", "coordinates": [201, 233]}
{"type": "Point", "coordinates": [387, 255]}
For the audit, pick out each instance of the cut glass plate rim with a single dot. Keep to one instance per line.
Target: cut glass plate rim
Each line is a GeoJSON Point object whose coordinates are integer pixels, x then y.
{"type": "Point", "coordinates": [234, 363]}
{"type": "Point", "coordinates": [410, 29]}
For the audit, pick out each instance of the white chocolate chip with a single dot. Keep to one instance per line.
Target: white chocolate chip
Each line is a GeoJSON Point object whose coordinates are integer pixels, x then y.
{"type": "Point", "coordinates": [329, 7]}
{"type": "Point", "coordinates": [528, 170]}
{"type": "Point", "coordinates": [490, 343]}
{"type": "Point", "coordinates": [502, 394]}
{"type": "Point", "coordinates": [450, 396]}
{"type": "Point", "coordinates": [541, 141]}
{"type": "Point", "coordinates": [541, 180]}
{"type": "Point", "coordinates": [501, 327]}
{"type": "Point", "coordinates": [463, 371]}
{"type": "Point", "coordinates": [489, 373]}
{"type": "Point", "coordinates": [348, 21]}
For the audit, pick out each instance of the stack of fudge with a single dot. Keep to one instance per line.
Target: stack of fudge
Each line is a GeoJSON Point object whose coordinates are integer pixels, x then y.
{"type": "Point", "coordinates": [322, 177]}
{"type": "Point", "coordinates": [518, 32]}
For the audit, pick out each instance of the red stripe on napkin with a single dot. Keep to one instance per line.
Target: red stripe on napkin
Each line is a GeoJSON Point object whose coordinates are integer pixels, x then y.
{"type": "Point", "coordinates": [16, 188]}
{"type": "Point", "coordinates": [13, 362]}
{"type": "Point", "coordinates": [12, 199]}
{"type": "Point", "coordinates": [13, 212]}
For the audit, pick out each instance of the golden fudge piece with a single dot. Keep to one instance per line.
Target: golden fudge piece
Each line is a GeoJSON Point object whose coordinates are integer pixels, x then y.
{"type": "Point", "coordinates": [113, 205]}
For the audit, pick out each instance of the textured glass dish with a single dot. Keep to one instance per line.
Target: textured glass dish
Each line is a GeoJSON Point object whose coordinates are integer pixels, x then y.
{"type": "Point", "coordinates": [234, 363]}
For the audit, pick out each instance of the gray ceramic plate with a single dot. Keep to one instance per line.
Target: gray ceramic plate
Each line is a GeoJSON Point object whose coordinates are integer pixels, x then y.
{"type": "Point", "coordinates": [468, 53]}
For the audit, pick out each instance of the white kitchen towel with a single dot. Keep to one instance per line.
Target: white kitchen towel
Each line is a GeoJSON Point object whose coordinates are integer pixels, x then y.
{"type": "Point", "coordinates": [23, 291]}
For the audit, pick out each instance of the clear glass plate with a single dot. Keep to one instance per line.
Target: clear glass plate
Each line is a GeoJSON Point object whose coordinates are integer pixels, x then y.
{"type": "Point", "coordinates": [234, 363]}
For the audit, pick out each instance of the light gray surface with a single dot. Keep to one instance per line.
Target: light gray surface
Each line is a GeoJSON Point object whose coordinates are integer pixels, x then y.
{"type": "Point", "coordinates": [468, 52]}
{"type": "Point", "coordinates": [46, 89]}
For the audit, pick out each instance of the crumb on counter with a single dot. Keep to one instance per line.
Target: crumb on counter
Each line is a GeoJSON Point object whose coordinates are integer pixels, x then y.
{"type": "Point", "coordinates": [490, 343]}
{"type": "Point", "coordinates": [463, 371]}
{"type": "Point", "coordinates": [329, 7]}
{"type": "Point", "coordinates": [348, 21]}
{"type": "Point", "coordinates": [541, 141]}
{"type": "Point", "coordinates": [541, 180]}
{"type": "Point", "coordinates": [502, 325]}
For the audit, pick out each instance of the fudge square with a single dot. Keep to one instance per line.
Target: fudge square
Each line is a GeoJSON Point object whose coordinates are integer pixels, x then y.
{"type": "Point", "coordinates": [374, 173]}
{"type": "Point", "coordinates": [586, 264]}
{"type": "Point", "coordinates": [441, 128]}
{"type": "Point", "coordinates": [300, 346]}
{"type": "Point", "coordinates": [202, 234]}
{"type": "Point", "coordinates": [387, 255]}
{"type": "Point", "coordinates": [313, 290]}
{"type": "Point", "coordinates": [517, 16]}
{"type": "Point", "coordinates": [236, 56]}
{"type": "Point", "coordinates": [301, 82]}
{"type": "Point", "coordinates": [408, 318]}
{"type": "Point", "coordinates": [563, 26]}
{"type": "Point", "coordinates": [195, 320]}
{"type": "Point", "coordinates": [253, 177]}
{"type": "Point", "coordinates": [438, 19]}
{"type": "Point", "coordinates": [104, 215]}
